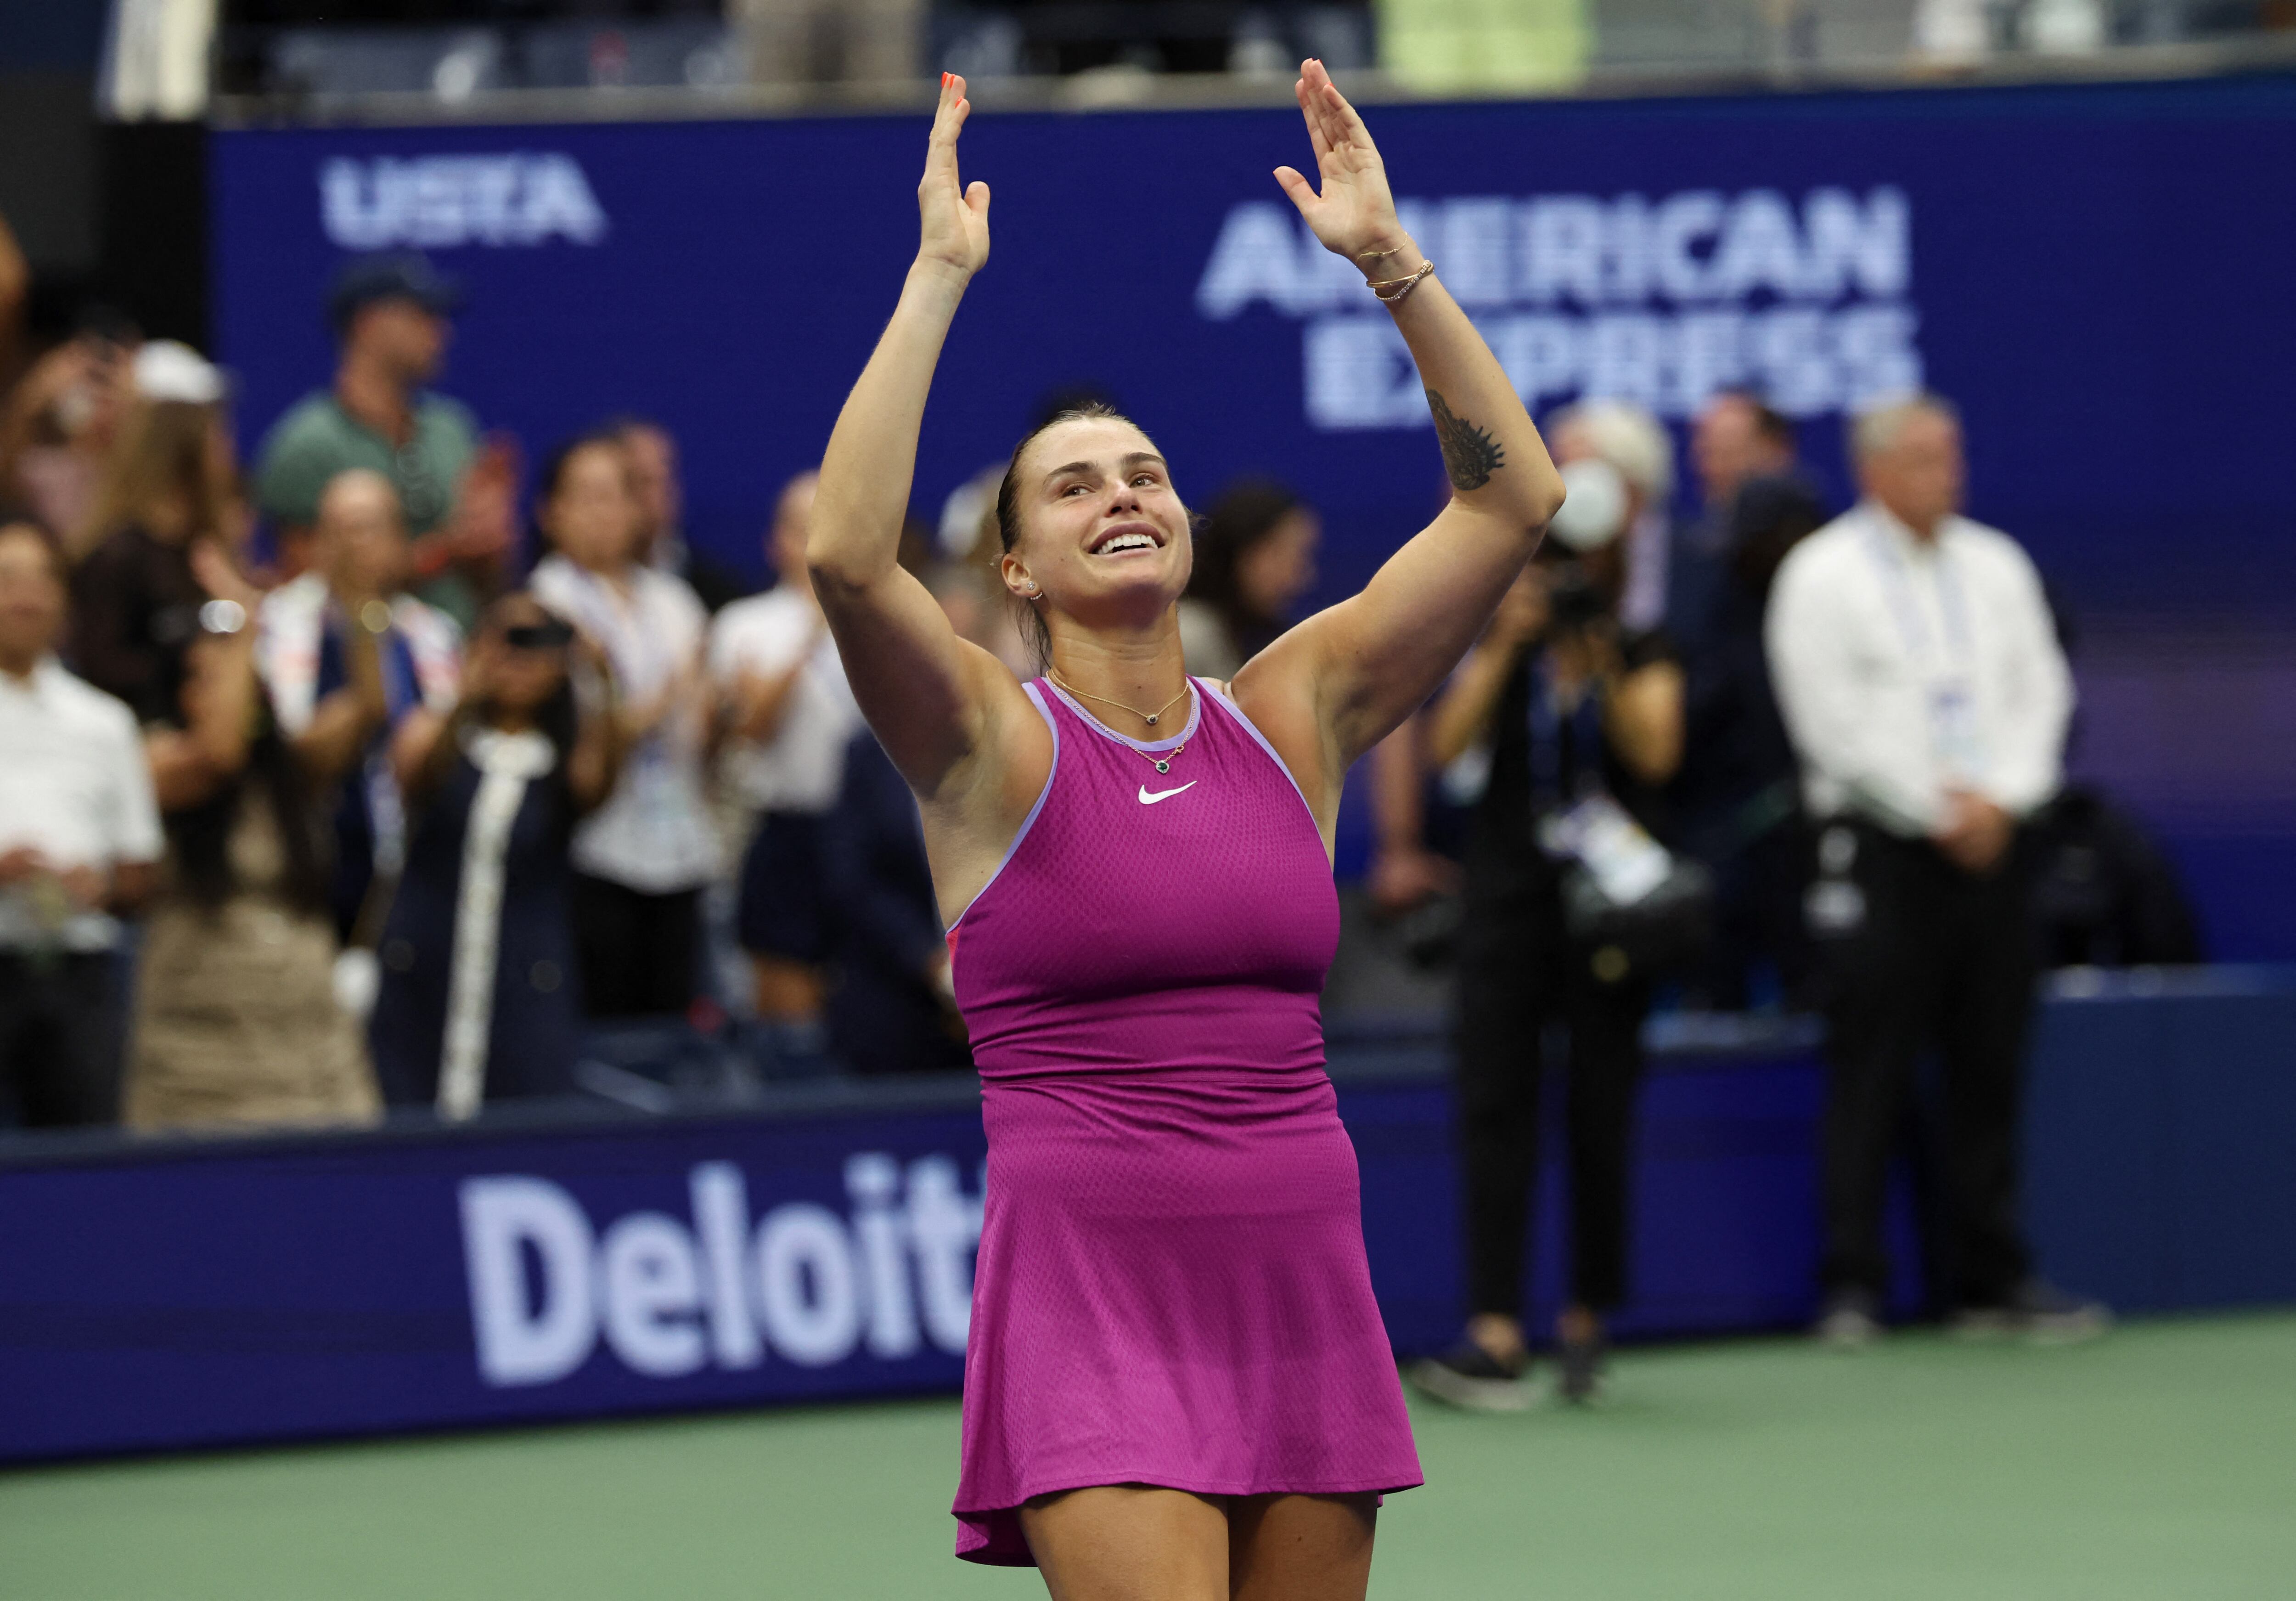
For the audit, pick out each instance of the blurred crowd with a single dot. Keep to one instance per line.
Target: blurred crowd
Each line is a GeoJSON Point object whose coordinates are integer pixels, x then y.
{"type": "Point", "coordinates": [335, 789]}
{"type": "Point", "coordinates": [334, 786]}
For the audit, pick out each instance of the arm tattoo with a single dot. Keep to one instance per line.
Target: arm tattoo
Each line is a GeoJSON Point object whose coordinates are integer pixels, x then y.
{"type": "Point", "coordinates": [1470, 455]}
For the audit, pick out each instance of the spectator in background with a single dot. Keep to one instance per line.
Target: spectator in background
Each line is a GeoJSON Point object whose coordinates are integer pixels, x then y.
{"type": "Point", "coordinates": [168, 485]}
{"type": "Point", "coordinates": [1255, 561]}
{"type": "Point", "coordinates": [389, 314]}
{"type": "Point", "coordinates": [1636, 445]}
{"type": "Point", "coordinates": [788, 718]}
{"type": "Point", "coordinates": [236, 1016]}
{"type": "Point", "coordinates": [15, 297]}
{"type": "Point", "coordinates": [1736, 438]}
{"type": "Point", "coordinates": [479, 999]}
{"type": "Point", "coordinates": [661, 493]}
{"type": "Point", "coordinates": [987, 614]}
{"type": "Point", "coordinates": [642, 858]}
{"type": "Point", "coordinates": [1738, 800]}
{"type": "Point", "coordinates": [1921, 679]}
{"type": "Point", "coordinates": [58, 426]}
{"type": "Point", "coordinates": [831, 41]}
{"type": "Point", "coordinates": [1575, 712]}
{"type": "Point", "coordinates": [79, 836]}
{"type": "Point", "coordinates": [890, 1005]}
{"type": "Point", "coordinates": [348, 624]}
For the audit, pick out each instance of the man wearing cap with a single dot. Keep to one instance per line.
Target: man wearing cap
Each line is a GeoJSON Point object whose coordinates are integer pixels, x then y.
{"type": "Point", "coordinates": [390, 315]}
{"type": "Point", "coordinates": [1568, 723]}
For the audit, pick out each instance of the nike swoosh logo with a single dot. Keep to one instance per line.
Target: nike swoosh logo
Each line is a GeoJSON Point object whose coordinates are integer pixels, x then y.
{"type": "Point", "coordinates": [1147, 799]}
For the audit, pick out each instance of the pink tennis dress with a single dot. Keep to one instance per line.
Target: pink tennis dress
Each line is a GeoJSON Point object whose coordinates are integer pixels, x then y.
{"type": "Point", "coordinates": [1171, 1288]}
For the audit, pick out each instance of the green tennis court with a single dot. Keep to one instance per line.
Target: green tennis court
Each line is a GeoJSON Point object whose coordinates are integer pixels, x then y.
{"type": "Point", "coordinates": [2158, 1463]}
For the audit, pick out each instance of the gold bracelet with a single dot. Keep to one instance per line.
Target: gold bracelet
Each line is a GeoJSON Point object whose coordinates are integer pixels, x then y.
{"type": "Point", "coordinates": [1401, 287]}
{"type": "Point", "coordinates": [1379, 255]}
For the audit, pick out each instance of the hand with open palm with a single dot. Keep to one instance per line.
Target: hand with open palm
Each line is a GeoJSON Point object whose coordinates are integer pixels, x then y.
{"type": "Point", "coordinates": [1354, 215]}
{"type": "Point", "coordinates": [955, 219]}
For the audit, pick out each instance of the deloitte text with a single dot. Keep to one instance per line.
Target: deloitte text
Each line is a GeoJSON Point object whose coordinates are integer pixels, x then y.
{"type": "Point", "coordinates": [802, 1283]}
{"type": "Point", "coordinates": [1660, 301]}
{"type": "Point", "coordinates": [437, 202]}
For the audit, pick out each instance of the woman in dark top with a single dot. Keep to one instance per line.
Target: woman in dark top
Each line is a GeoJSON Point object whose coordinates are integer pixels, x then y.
{"type": "Point", "coordinates": [135, 602]}
{"type": "Point", "coordinates": [236, 1017]}
{"type": "Point", "coordinates": [479, 999]}
{"type": "Point", "coordinates": [1568, 709]}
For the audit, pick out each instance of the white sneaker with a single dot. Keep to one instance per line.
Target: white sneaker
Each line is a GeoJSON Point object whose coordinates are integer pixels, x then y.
{"type": "Point", "coordinates": [1847, 1324]}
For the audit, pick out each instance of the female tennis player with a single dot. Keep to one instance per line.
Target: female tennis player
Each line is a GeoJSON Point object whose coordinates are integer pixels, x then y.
{"type": "Point", "coordinates": [1178, 1384]}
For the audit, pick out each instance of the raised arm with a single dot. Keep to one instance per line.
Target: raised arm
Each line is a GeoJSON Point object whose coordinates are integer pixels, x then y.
{"type": "Point", "coordinates": [932, 699]}
{"type": "Point", "coordinates": [1360, 668]}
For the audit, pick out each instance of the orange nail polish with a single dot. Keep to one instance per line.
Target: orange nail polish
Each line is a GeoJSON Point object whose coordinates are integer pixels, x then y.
{"type": "Point", "coordinates": [944, 80]}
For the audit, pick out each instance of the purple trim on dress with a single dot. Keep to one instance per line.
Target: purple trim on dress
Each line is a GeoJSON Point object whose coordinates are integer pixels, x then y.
{"type": "Point", "coordinates": [1029, 822]}
{"type": "Point", "coordinates": [1228, 704]}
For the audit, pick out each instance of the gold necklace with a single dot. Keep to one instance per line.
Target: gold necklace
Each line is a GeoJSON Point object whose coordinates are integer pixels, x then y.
{"type": "Point", "coordinates": [1163, 762]}
{"type": "Point", "coordinates": [1148, 718]}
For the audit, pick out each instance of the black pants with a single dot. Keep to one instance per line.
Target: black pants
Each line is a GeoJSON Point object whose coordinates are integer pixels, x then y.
{"type": "Point", "coordinates": [1517, 975]}
{"type": "Point", "coordinates": [1939, 958]}
{"type": "Point", "coordinates": [1759, 885]}
{"type": "Point", "coordinates": [59, 1043]}
{"type": "Point", "coordinates": [639, 952]}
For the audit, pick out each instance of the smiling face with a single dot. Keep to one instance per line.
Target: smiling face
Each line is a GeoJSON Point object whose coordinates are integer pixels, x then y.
{"type": "Point", "coordinates": [1101, 536]}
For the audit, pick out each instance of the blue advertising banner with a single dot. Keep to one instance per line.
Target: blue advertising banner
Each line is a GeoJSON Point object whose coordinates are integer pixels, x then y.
{"type": "Point", "coordinates": [209, 1293]}
{"type": "Point", "coordinates": [2095, 274]}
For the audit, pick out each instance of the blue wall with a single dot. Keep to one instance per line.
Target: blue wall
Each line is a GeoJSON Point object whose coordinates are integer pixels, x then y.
{"type": "Point", "coordinates": [205, 1291]}
{"type": "Point", "coordinates": [2098, 275]}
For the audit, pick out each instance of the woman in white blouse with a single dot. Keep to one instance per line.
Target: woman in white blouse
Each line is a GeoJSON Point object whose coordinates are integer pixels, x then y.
{"type": "Point", "coordinates": [641, 860]}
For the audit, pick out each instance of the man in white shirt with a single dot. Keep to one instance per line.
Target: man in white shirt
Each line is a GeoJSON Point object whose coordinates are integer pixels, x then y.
{"type": "Point", "coordinates": [788, 718]}
{"type": "Point", "coordinates": [1919, 674]}
{"type": "Point", "coordinates": [79, 834]}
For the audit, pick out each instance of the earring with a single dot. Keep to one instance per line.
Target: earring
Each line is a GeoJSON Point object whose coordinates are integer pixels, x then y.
{"type": "Point", "coordinates": [1033, 590]}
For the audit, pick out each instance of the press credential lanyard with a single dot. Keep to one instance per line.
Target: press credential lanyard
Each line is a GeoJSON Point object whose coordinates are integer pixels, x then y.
{"type": "Point", "coordinates": [1585, 823]}
{"type": "Point", "coordinates": [1953, 712]}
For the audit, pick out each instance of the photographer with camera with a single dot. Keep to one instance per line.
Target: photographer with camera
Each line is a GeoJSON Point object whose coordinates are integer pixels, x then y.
{"type": "Point", "coordinates": [1570, 904]}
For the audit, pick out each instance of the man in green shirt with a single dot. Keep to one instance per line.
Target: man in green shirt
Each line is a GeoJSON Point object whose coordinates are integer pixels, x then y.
{"type": "Point", "coordinates": [390, 314]}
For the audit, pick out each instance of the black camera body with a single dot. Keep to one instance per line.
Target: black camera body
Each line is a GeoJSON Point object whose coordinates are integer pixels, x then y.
{"type": "Point", "coordinates": [1574, 600]}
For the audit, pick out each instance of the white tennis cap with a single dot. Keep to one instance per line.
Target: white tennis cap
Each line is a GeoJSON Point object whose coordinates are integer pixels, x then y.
{"type": "Point", "coordinates": [1594, 506]}
{"type": "Point", "coordinates": [168, 369]}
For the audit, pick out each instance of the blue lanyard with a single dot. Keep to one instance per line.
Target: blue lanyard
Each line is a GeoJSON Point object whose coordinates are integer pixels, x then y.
{"type": "Point", "coordinates": [1898, 584]}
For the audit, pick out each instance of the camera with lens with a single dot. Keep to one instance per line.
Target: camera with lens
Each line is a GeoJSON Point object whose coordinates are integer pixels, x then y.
{"type": "Point", "coordinates": [1575, 602]}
